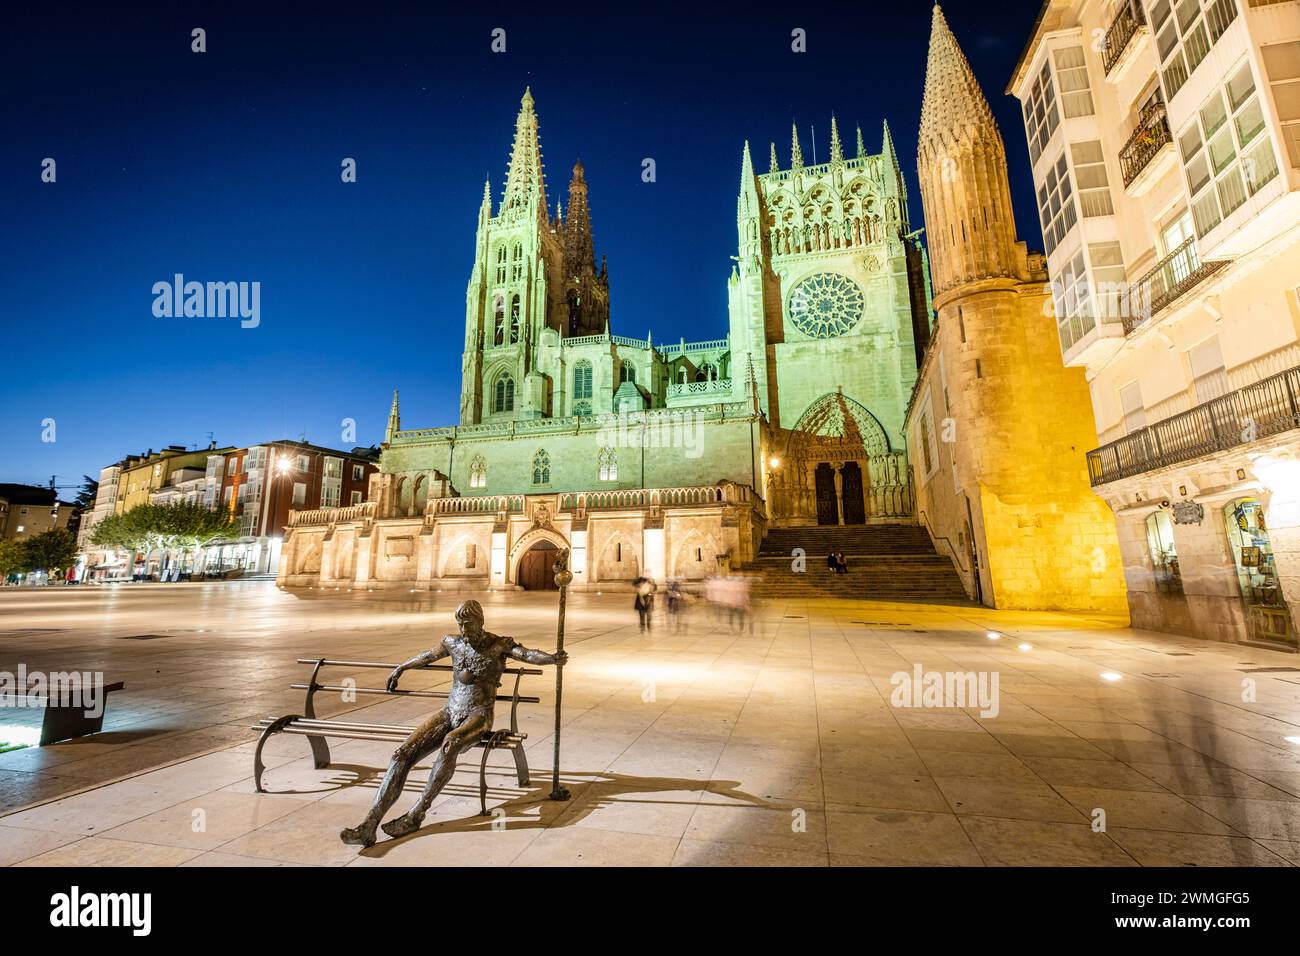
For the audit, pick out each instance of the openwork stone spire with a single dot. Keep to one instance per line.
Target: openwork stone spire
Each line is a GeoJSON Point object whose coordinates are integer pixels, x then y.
{"type": "Point", "coordinates": [796, 154]}
{"type": "Point", "coordinates": [962, 167]}
{"type": "Point", "coordinates": [394, 420]}
{"type": "Point", "coordinates": [579, 252]}
{"type": "Point", "coordinates": [775, 166]}
{"type": "Point", "coordinates": [525, 177]}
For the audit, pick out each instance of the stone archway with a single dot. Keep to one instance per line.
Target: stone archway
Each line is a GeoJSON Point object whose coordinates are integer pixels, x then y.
{"type": "Point", "coordinates": [535, 546]}
{"type": "Point", "coordinates": [839, 468]}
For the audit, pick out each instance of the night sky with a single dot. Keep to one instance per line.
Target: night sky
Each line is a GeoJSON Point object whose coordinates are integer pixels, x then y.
{"type": "Point", "coordinates": [225, 166]}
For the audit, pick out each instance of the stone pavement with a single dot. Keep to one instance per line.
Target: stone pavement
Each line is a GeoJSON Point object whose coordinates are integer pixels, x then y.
{"type": "Point", "coordinates": [776, 745]}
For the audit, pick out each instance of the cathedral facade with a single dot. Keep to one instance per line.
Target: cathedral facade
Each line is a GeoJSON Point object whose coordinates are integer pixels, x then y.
{"type": "Point", "coordinates": [664, 458]}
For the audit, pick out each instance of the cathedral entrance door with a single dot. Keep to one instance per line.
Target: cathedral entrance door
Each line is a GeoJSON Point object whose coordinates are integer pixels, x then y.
{"type": "Point", "coordinates": [828, 511]}
{"type": "Point", "coordinates": [535, 567]}
{"type": "Point", "coordinates": [851, 482]}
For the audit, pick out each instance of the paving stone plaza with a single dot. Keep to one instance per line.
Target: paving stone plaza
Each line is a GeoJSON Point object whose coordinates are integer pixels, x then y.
{"type": "Point", "coordinates": [773, 744]}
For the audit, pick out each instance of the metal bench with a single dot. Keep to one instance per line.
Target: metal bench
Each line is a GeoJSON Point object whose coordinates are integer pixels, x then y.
{"type": "Point", "coordinates": [317, 729]}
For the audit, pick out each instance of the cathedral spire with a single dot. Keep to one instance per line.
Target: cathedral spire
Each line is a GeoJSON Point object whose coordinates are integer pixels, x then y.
{"type": "Point", "coordinates": [579, 252]}
{"type": "Point", "coordinates": [962, 167]}
{"type": "Point", "coordinates": [394, 421]}
{"type": "Point", "coordinates": [775, 166]}
{"type": "Point", "coordinates": [887, 148]}
{"type": "Point", "coordinates": [796, 154]}
{"type": "Point", "coordinates": [837, 148]}
{"type": "Point", "coordinates": [525, 177]}
{"type": "Point", "coordinates": [953, 102]}
{"type": "Point", "coordinates": [862, 149]}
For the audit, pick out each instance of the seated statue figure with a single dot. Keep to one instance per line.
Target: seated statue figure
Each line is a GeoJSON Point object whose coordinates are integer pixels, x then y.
{"type": "Point", "coordinates": [478, 658]}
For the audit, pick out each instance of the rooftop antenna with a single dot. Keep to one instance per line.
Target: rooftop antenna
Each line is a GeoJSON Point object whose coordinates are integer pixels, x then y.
{"type": "Point", "coordinates": [814, 143]}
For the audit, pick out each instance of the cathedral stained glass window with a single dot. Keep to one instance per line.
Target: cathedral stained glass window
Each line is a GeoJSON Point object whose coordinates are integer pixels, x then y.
{"type": "Point", "coordinates": [503, 393]}
{"type": "Point", "coordinates": [478, 472]}
{"type": "Point", "coordinates": [825, 305]}
{"type": "Point", "coordinates": [608, 461]}
{"type": "Point", "coordinates": [582, 380]}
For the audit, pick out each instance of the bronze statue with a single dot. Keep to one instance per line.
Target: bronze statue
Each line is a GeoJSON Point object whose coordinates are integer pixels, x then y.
{"type": "Point", "coordinates": [478, 658]}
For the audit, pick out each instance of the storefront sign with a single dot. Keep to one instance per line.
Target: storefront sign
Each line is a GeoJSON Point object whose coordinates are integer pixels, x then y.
{"type": "Point", "coordinates": [1188, 512]}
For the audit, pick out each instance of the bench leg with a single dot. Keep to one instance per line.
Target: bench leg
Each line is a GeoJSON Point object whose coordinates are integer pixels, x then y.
{"type": "Point", "coordinates": [521, 765]}
{"type": "Point", "coordinates": [320, 751]}
{"type": "Point", "coordinates": [65, 723]}
{"type": "Point", "coordinates": [482, 781]}
{"type": "Point", "coordinates": [274, 728]}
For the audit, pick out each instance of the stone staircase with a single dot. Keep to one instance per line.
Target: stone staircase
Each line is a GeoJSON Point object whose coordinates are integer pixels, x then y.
{"type": "Point", "coordinates": [886, 563]}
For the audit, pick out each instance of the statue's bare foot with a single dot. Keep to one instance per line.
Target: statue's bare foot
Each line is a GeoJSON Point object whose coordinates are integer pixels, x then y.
{"type": "Point", "coordinates": [402, 826]}
{"type": "Point", "coordinates": [359, 836]}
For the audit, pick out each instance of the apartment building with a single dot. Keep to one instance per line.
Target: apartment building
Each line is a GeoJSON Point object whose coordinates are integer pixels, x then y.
{"type": "Point", "coordinates": [1165, 143]}
{"type": "Point", "coordinates": [259, 485]}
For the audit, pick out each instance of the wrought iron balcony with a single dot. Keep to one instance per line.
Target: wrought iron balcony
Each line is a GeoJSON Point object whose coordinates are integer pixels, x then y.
{"type": "Point", "coordinates": [1151, 135]}
{"type": "Point", "coordinates": [1171, 278]}
{"type": "Point", "coordinates": [1121, 32]}
{"type": "Point", "coordinates": [1257, 411]}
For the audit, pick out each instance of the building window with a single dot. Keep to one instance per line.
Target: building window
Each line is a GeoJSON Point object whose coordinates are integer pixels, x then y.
{"type": "Point", "coordinates": [329, 495]}
{"type": "Point", "coordinates": [1090, 176]}
{"type": "Point", "coordinates": [1041, 114]}
{"type": "Point", "coordinates": [608, 462]}
{"type": "Point", "coordinates": [1056, 209]}
{"type": "Point", "coordinates": [299, 493]}
{"type": "Point", "coordinates": [356, 497]}
{"type": "Point", "coordinates": [1269, 618]}
{"type": "Point", "coordinates": [1209, 380]}
{"type": "Point", "coordinates": [333, 467]}
{"type": "Point", "coordinates": [707, 373]}
{"type": "Point", "coordinates": [478, 472]}
{"type": "Point", "coordinates": [1109, 283]}
{"type": "Point", "coordinates": [358, 472]}
{"type": "Point", "coordinates": [1070, 294]}
{"type": "Point", "coordinates": [499, 319]}
{"type": "Point", "coordinates": [514, 319]}
{"type": "Point", "coordinates": [517, 263]}
{"type": "Point", "coordinates": [503, 393]}
{"type": "Point", "coordinates": [1185, 30]}
{"type": "Point", "coordinates": [582, 380]}
{"type": "Point", "coordinates": [1072, 75]}
{"type": "Point", "coordinates": [1132, 408]}
{"type": "Point", "coordinates": [541, 468]}
{"type": "Point", "coordinates": [1164, 554]}
{"type": "Point", "coordinates": [1227, 154]}
{"type": "Point", "coordinates": [1282, 66]}
{"type": "Point", "coordinates": [627, 373]}
{"type": "Point", "coordinates": [471, 555]}
{"type": "Point", "coordinates": [501, 264]}
{"type": "Point", "coordinates": [582, 409]}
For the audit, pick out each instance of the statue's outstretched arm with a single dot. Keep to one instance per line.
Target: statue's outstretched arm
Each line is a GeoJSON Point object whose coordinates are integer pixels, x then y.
{"type": "Point", "coordinates": [420, 660]}
{"type": "Point", "coordinates": [530, 656]}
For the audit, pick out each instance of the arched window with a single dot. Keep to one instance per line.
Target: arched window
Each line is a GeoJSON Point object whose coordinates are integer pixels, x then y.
{"type": "Point", "coordinates": [514, 319]}
{"type": "Point", "coordinates": [582, 380]}
{"type": "Point", "coordinates": [499, 319]}
{"type": "Point", "coordinates": [478, 472]}
{"type": "Point", "coordinates": [582, 409]}
{"type": "Point", "coordinates": [608, 464]}
{"type": "Point", "coordinates": [517, 265]}
{"type": "Point", "coordinates": [501, 264]}
{"type": "Point", "coordinates": [541, 468]}
{"type": "Point", "coordinates": [1164, 554]}
{"type": "Point", "coordinates": [707, 373]}
{"type": "Point", "coordinates": [628, 373]}
{"type": "Point", "coordinates": [503, 393]}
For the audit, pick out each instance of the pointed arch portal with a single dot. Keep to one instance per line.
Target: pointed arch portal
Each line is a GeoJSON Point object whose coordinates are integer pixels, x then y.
{"type": "Point", "coordinates": [839, 468]}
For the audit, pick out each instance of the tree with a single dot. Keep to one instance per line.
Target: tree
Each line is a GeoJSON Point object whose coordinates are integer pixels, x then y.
{"type": "Point", "coordinates": [152, 527]}
{"type": "Point", "coordinates": [13, 557]}
{"type": "Point", "coordinates": [51, 551]}
{"type": "Point", "coordinates": [84, 502]}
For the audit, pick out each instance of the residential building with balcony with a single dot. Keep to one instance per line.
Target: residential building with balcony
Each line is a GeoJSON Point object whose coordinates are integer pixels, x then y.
{"type": "Point", "coordinates": [260, 485]}
{"type": "Point", "coordinates": [1165, 143]}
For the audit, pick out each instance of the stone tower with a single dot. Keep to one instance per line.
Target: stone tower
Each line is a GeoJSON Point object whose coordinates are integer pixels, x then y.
{"type": "Point", "coordinates": [586, 290]}
{"type": "Point", "coordinates": [516, 289]}
{"type": "Point", "coordinates": [994, 404]}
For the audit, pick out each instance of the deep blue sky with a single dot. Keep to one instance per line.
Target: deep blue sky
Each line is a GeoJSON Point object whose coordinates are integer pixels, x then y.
{"type": "Point", "coordinates": [225, 166]}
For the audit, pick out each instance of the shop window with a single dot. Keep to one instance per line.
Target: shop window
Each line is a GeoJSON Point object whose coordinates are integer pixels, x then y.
{"type": "Point", "coordinates": [1266, 610]}
{"type": "Point", "coordinates": [1164, 554]}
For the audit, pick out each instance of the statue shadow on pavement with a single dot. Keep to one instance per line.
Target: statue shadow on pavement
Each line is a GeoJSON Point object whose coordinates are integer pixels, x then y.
{"type": "Point", "coordinates": [609, 787]}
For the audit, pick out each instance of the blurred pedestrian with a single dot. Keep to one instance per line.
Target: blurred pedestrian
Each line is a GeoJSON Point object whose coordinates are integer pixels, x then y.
{"type": "Point", "coordinates": [645, 600]}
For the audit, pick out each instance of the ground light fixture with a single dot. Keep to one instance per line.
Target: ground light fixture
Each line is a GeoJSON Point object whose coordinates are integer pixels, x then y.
{"type": "Point", "coordinates": [1110, 675]}
{"type": "Point", "coordinates": [1292, 740]}
{"type": "Point", "coordinates": [993, 635]}
{"type": "Point", "coordinates": [1026, 647]}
